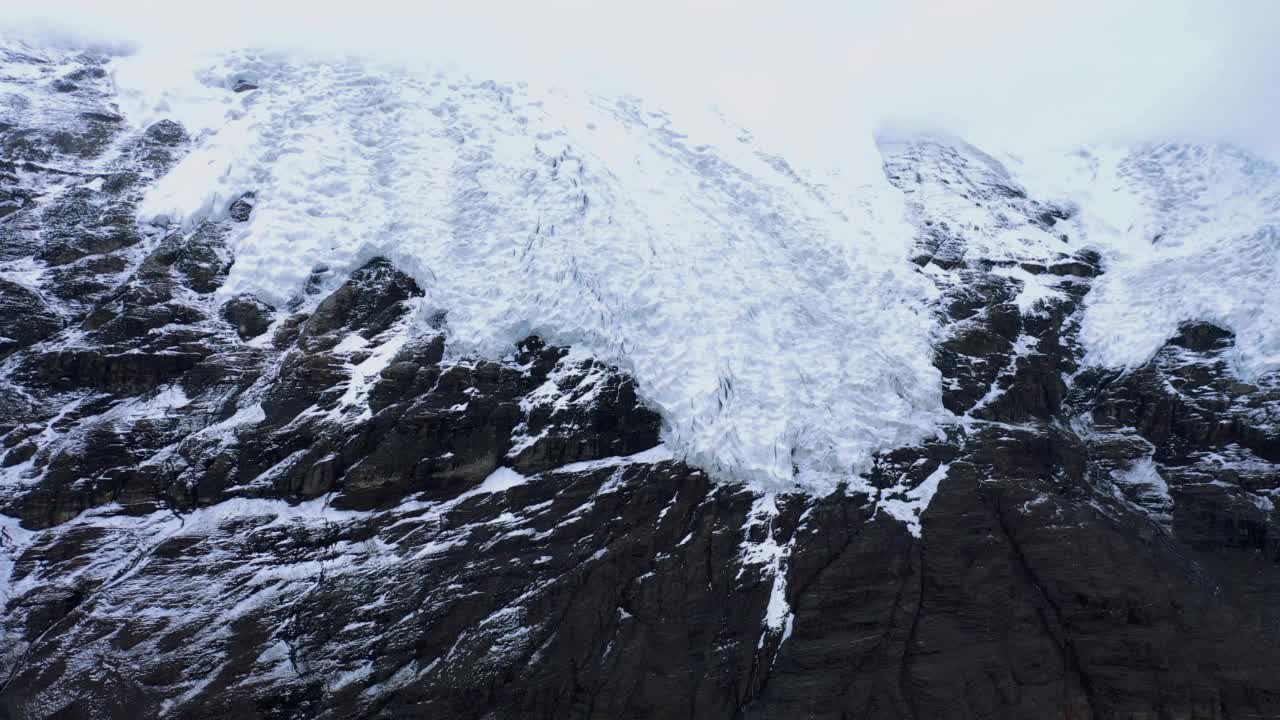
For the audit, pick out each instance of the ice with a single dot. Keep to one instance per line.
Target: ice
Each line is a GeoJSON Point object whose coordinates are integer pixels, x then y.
{"type": "Point", "coordinates": [1187, 232]}
{"type": "Point", "coordinates": [769, 316]}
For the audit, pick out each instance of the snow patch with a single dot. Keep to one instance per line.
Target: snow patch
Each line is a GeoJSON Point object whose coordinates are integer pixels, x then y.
{"type": "Point", "coordinates": [1152, 492]}
{"type": "Point", "coordinates": [499, 480]}
{"type": "Point", "coordinates": [14, 539]}
{"type": "Point", "coordinates": [656, 454]}
{"type": "Point", "coordinates": [907, 506]}
{"type": "Point", "coordinates": [1035, 290]}
{"type": "Point", "coordinates": [772, 557]}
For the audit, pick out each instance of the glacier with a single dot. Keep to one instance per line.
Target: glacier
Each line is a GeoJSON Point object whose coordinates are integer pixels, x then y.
{"type": "Point", "coordinates": [769, 313]}
{"type": "Point", "coordinates": [772, 320]}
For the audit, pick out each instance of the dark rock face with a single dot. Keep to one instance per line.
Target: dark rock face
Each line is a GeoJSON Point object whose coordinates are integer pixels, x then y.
{"type": "Point", "coordinates": [242, 208]}
{"type": "Point", "coordinates": [345, 519]}
{"type": "Point", "coordinates": [167, 132]}
{"type": "Point", "coordinates": [587, 411]}
{"type": "Point", "coordinates": [248, 315]}
{"type": "Point", "coordinates": [25, 318]}
{"type": "Point", "coordinates": [367, 304]}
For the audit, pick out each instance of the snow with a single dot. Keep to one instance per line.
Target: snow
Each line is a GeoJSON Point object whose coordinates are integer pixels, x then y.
{"type": "Point", "coordinates": [767, 312]}
{"type": "Point", "coordinates": [500, 480]}
{"type": "Point", "coordinates": [1186, 233]}
{"type": "Point", "coordinates": [943, 178]}
{"type": "Point", "coordinates": [656, 454]}
{"type": "Point", "coordinates": [731, 285]}
{"type": "Point", "coordinates": [14, 539]}
{"type": "Point", "coordinates": [772, 558]}
{"type": "Point", "coordinates": [365, 373]}
{"type": "Point", "coordinates": [1152, 490]}
{"type": "Point", "coordinates": [912, 503]}
{"type": "Point", "coordinates": [1022, 347]}
{"type": "Point", "coordinates": [1036, 289]}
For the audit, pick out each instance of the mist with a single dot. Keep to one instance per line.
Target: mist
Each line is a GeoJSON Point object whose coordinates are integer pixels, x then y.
{"type": "Point", "coordinates": [1010, 74]}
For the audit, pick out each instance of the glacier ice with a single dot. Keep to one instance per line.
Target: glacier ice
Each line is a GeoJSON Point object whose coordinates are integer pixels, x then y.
{"type": "Point", "coordinates": [767, 312]}
{"type": "Point", "coordinates": [771, 319]}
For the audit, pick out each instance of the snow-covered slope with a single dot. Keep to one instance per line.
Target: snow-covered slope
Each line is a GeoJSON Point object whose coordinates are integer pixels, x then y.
{"type": "Point", "coordinates": [1189, 232]}
{"type": "Point", "coordinates": [781, 333]}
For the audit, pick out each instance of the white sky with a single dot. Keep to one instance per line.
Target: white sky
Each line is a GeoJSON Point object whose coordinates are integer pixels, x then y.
{"type": "Point", "coordinates": [801, 74]}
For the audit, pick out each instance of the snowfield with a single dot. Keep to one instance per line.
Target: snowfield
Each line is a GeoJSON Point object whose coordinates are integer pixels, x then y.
{"type": "Point", "coordinates": [769, 314]}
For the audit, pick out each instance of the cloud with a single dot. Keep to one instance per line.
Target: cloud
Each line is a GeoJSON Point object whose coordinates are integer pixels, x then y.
{"type": "Point", "coordinates": [804, 77]}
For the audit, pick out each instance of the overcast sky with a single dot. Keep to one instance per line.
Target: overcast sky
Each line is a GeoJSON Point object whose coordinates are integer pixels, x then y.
{"type": "Point", "coordinates": [801, 72]}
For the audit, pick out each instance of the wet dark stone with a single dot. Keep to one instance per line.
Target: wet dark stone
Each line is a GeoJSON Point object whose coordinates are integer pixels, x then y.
{"type": "Point", "coordinates": [603, 418]}
{"type": "Point", "coordinates": [102, 117]}
{"type": "Point", "coordinates": [19, 453]}
{"type": "Point", "coordinates": [123, 372]}
{"type": "Point", "coordinates": [82, 222]}
{"type": "Point", "coordinates": [203, 260]}
{"type": "Point", "coordinates": [1202, 337]}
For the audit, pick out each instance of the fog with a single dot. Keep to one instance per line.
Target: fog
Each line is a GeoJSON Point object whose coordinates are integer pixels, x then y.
{"type": "Point", "coordinates": [1004, 72]}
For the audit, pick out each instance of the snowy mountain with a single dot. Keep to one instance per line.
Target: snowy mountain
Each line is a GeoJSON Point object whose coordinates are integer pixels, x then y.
{"type": "Point", "coordinates": [337, 389]}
